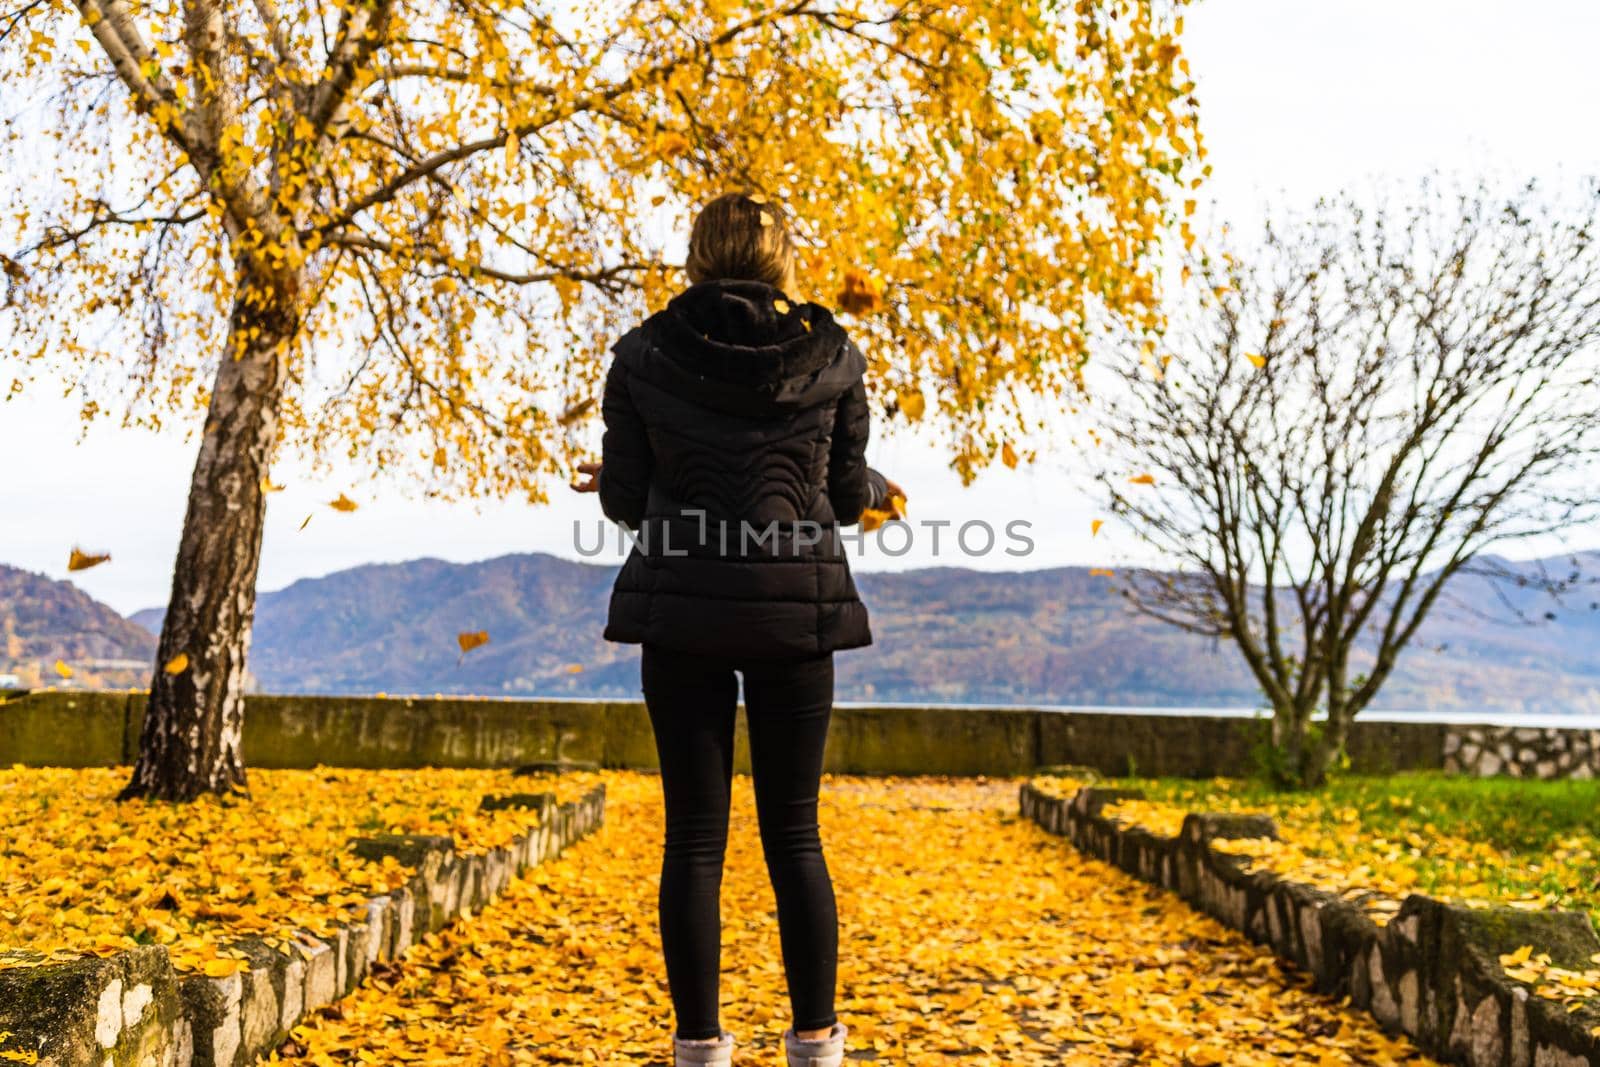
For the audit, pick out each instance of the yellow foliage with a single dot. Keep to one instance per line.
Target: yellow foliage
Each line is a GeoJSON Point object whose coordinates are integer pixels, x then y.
{"type": "Point", "coordinates": [447, 222]}
{"type": "Point", "coordinates": [964, 932]}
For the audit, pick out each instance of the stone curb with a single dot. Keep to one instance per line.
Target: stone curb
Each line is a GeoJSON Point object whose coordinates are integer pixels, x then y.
{"type": "Point", "coordinates": [1433, 973]}
{"type": "Point", "coordinates": [134, 1010]}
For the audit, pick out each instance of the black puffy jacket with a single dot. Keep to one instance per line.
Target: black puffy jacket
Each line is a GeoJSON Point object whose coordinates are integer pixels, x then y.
{"type": "Point", "coordinates": [734, 448]}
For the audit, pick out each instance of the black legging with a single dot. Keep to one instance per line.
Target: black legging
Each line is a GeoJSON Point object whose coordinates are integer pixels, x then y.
{"type": "Point", "coordinates": [787, 704]}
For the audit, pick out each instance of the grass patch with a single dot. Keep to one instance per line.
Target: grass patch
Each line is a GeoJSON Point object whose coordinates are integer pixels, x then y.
{"type": "Point", "coordinates": [1509, 841]}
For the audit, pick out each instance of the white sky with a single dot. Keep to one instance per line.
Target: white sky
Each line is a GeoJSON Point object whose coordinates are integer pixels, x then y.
{"type": "Point", "coordinates": [1299, 99]}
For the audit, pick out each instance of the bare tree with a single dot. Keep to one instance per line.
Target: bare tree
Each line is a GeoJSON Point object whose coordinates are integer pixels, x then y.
{"type": "Point", "coordinates": [1348, 416]}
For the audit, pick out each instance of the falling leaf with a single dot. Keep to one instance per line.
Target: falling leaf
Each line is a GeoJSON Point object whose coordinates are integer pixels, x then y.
{"type": "Point", "coordinates": [574, 668]}
{"type": "Point", "coordinates": [781, 306]}
{"type": "Point", "coordinates": [305, 522]}
{"type": "Point", "coordinates": [1101, 572]}
{"type": "Point", "coordinates": [471, 639]}
{"type": "Point", "coordinates": [343, 503]}
{"type": "Point", "coordinates": [575, 412]}
{"type": "Point", "coordinates": [1143, 479]}
{"type": "Point", "coordinates": [897, 506]}
{"type": "Point", "coordinates": [911, 403]}
{"type": "Point", "coordinates": [1008, 455]}
{"type": "Point", "coordinates": [63, 670]}
{"type": "Point", "coordinates": [1256, 359]}
{"type": "Point", "coordinates": [1094, 527]}
{"type": "Point", "coordinates": [767, 219]}
{"type": "Point", "coordinates": [82, 561]}
{"type": "Point", "coordinates": [860, 293]}
{"type": "Point", "coordinates": [177, 664]}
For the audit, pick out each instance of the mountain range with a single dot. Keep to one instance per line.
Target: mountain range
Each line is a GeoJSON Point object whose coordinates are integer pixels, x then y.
{"type": "Point", "coordinates": [1057, 636]}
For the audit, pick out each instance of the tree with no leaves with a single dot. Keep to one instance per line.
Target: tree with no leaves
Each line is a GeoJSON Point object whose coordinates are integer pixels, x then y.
{"type": "Point", "coordinates": [1347, 416]}
{"type": "Point", "coordinates": [402, 233]}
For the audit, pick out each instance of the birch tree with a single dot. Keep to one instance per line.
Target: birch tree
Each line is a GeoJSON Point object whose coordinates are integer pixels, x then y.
{"type": "Point", "coordinates": [400, 234]}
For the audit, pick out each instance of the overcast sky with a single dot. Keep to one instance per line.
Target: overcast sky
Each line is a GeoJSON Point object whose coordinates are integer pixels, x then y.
{"type": "Point", "coordinates": [1298, 99]}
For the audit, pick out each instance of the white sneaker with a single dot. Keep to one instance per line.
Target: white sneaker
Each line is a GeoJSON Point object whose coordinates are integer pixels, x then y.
{"type": "Point", "coordinates": [707, 1052]}
{"type": "Point", "coordinates": [819, 1052]}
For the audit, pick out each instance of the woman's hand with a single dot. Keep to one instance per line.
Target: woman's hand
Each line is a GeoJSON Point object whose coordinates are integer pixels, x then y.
{"type": "Point", "coordinates": [590, 482]}
{"type": "Point", "coordinates": [892, 509]}
{"type": "Point", "coordinates": [896, 498]}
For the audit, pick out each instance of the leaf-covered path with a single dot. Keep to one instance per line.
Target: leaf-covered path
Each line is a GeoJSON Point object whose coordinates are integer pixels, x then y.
{"type": "Point", "coordinates": [967, 936]}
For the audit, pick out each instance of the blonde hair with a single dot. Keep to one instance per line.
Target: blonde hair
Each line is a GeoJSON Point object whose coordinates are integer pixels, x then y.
{"type": "Point", "coordinates": [742, 236]}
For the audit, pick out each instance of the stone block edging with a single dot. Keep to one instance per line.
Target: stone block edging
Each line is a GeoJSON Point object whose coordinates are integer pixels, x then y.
{"type": "Point", "coordinates": [1432, 973]}
{"type": "Point", "coordinates": [133, 1009]}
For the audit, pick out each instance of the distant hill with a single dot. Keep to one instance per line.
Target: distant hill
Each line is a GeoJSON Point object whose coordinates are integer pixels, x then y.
{"type": "Point", "coordinates": [1059, 636]}
{"type": "Point", "coordinates": [43, 620]}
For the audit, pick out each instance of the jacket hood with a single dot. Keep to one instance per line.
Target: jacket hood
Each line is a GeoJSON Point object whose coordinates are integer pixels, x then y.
{"type": "Point", "coordinates": [727, 344]}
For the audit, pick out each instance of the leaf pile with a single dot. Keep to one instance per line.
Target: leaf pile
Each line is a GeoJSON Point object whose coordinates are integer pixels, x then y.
{"type": "Point", "coordinates": [81, 873]}
{"type": "Point", "coordinates": [1571, 987]}
{"type": "Point", "coordinates": [963, 931]}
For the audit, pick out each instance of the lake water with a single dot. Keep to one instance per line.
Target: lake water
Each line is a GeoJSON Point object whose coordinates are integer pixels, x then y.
{"type": "Point", "coordinates": [1490, 717]}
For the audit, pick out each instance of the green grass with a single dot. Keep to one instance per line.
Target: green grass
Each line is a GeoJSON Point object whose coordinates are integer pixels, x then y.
{"type": "Point", "coordinates": [1498, 838]}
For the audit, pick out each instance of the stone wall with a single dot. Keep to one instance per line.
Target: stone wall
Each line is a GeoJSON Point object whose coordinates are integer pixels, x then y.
{"type": "Point", "coordinates": [134, 1010]}
{"type": "Point", "coordinates": [1432, 972]}
{"type": "Point", "coordinates": [1522, 752]}
{"type": "Point", "coordinates": [87, 729]}
{"type": "Point", "coordinates": [82, 729]}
